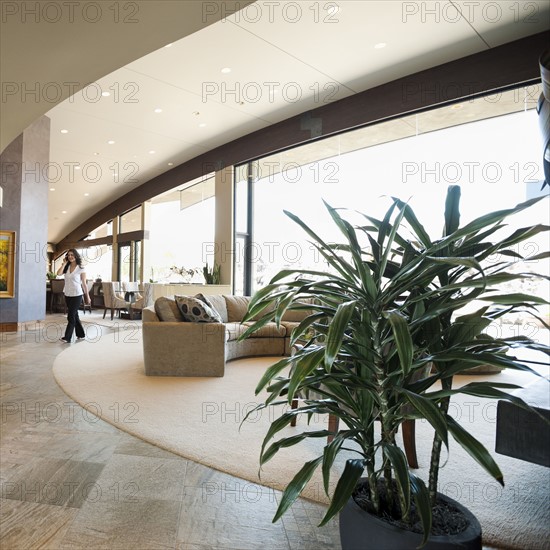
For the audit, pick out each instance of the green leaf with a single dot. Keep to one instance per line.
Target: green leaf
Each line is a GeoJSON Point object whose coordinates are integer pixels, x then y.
{"type": "Point", "coordinates": [296, 486]}
{"type": "Point", "coordinates": [329, 456]}
{"type": "Point", "coordinates": [344, 488]}
{"type": "Point", "coordinates": [423, 505]}
{"type": "Point", "coordinates": [336, 332]}
{"type": "Point", "coordinates": [475, 449]}
{"type": "Point", "coordinates": [452, 210]}
{"type": "Point", "coordinates": [401, 469]}
{"type": "Point", "coordinates": [403, 338]}
{"type": "Point", "coordinates": [515, 299]}
{"type": "Point", "coordinates": [271, 372]}
{"type": "Point", "coordinates": [430, 412]}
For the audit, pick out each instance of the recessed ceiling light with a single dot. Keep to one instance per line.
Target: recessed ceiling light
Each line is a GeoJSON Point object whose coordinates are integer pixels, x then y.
{"type": "Point", "coordinates": [202, 125]}
{"type": "Point", "coordinates": [96, 154]}
{"type": "Point", "coordinates": [64, 131]}
{"type": "Point", "coordinates": [77, 167]}
{"type": "Point", "coordinates": [105, 94]}
{"type": "Point", "coordinates": [158, 110]}
{"type": "Point", "coordinates": [63, 211]}
{"type": "Point", "coordinates": [226, 70]}
{"type": "Point", "coordinates": [86, 194]}
{"type": "Point", "coordinates": [111, 142]}
{"type": "Point", "coordinates": [152, 152]}
{"type": "Point", "coordinates": [170, 164]}
{"type": "Point", "coordinates": [52, 188]}
{"type": "Point", "coordinates": [380, 45]}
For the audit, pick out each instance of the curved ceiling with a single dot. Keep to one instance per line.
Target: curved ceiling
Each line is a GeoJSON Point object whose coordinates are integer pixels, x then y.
{"type": "Point", "coordinates": [280, 59]}
{"type": "Point", "coordinates": [50, 50]}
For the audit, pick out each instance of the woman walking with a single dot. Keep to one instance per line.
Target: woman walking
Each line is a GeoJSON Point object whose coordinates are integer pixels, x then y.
{"type": "Point", "coordinates": [75, 287]}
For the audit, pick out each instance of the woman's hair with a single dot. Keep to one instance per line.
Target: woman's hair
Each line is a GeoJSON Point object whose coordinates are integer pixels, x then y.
{"type": "Point", "coordinates": [77, 257]}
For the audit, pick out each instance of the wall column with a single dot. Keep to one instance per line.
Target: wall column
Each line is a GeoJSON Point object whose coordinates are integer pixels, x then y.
{"type": "Point", "coordinates": [223, 235]}
{"type": "Point", "coordinates": [23, 169]}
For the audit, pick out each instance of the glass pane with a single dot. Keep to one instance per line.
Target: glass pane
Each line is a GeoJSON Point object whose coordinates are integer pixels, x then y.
{"type": "Point", "coordinates": [131, 221]}
{"type": "Point", "coordinates": [124, 259]}
{"type": "Point", "coordinates": [414, 158]}
{"type": "Point", "coordinates": [181, 238]}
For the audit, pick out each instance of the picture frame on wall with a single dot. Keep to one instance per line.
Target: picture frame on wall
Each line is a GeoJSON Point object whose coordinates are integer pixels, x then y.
{"type": "Point", "coordinates": [7, 264]}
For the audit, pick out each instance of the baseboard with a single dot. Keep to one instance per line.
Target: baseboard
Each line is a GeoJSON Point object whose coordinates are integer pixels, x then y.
{"type": "Point", "coordinates": [18, 327]}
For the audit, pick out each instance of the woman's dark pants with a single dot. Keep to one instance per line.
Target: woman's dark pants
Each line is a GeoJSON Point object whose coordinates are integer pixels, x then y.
{"type": "Point", "coordinates": [73, 325]}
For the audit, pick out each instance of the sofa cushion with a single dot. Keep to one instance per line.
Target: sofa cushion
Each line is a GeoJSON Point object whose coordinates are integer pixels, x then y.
{"type": "Point", "coordinates": [293, 315]}
{"type": "Point", "coordinates": [196, 311]}
{"type": "Point", "coordinates": [217, 302]}
{"type": "Point", "coordinates": [269, 330]}
{"type": "Point", "coordinates": [167, 310]}
{"type": "Point", "coordinates": [236, 307]}
{"type": "Point", "coordinates": [233, 331]}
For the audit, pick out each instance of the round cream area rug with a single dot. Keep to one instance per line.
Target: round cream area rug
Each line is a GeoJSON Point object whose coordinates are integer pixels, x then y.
{"type": "Point", "coordinates": [200, 419]}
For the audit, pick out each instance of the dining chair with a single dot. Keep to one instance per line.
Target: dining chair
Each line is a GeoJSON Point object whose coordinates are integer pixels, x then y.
{"type": "Point", "coordinates": [57, 297]}
{"type": "Point", "coordinates": [113, 299]}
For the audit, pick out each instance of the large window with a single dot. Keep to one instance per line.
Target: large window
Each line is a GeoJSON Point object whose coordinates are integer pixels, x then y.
{"type": "Point", "coordinates": [182, 232]}
{"type": "Point", "coordinates": [494, 157]}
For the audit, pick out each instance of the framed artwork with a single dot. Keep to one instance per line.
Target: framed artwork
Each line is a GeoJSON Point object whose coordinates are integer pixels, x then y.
{"type": "Point", "coordinates": [7, 264]}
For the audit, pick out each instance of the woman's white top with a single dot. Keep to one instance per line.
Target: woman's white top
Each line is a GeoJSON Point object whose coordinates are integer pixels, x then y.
{"type": "Point", "coordinates": [73, 282]}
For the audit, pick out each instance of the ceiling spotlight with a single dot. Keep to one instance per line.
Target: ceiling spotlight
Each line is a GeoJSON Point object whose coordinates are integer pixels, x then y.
{"type": "Point", "coordinates": [64, 131]}
{"type": "Point", "coordinates": [152, 152]}
{"type": "Point", "coordinates": [170, 164]}
{"type": "Point", "coordinates": [111, 142]}
{"type": "Point", "coordinates": [380, 45]}
{"type": "Point", "coordinates": [105, 94]}
{"type": "Point", "coordinates": [77, 167]}
{"type": "Point", "coordinates": [158, 110]}
{"type": "Point", "coordinates": [226, 70]}
{"type": "Point", "coordinates": [86, 194]}
{"type": "Point", "coordinates": [52, 188]}
{"type": "Point", "coordinates": [202, 125]}
{"type": "Point", "coordinates": [63, 211]}
{"type": "Point", "coordinates": [96, 154]}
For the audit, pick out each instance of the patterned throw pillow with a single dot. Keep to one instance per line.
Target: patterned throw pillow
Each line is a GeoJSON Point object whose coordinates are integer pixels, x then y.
{"type": "Point", "coordinates": [196, 311]}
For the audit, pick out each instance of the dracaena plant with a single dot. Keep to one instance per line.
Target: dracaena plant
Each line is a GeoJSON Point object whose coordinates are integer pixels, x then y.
{"type": "Point", "coordinates": [382, 341]}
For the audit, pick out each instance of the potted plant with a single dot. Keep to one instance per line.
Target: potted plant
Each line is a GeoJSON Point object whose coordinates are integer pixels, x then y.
{"type": "Point", "coordinates": [381, 345]}
{"type": "Point", "coordinates": [212, 276]}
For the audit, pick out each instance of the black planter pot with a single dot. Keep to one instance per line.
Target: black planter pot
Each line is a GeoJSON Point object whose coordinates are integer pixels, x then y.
{"type": "Point", "coordinates": [360, 530]}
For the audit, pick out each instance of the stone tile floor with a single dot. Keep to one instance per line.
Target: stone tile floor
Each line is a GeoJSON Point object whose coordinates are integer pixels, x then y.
{"type": "Point", "coordinates": [69, 480]}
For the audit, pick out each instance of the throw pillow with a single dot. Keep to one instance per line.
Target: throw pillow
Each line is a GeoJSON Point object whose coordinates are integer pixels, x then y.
{"type": "Point", "coordinates": [216, 302]}
{"type": "Point", "coordinates": [196, 311]}
{"type": "Point", "coordinates": [167, 310]}
{"type": "Point", "coordinates": [236, 307]}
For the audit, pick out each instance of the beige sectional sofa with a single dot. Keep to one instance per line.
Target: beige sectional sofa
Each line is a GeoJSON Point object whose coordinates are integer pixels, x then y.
{"type": "Point", "coordinates": [173, 347]}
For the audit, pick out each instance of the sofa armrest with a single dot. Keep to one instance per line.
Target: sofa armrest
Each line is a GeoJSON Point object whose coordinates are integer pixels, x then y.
{"type": "Point", "coordinates": [183, 349]}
